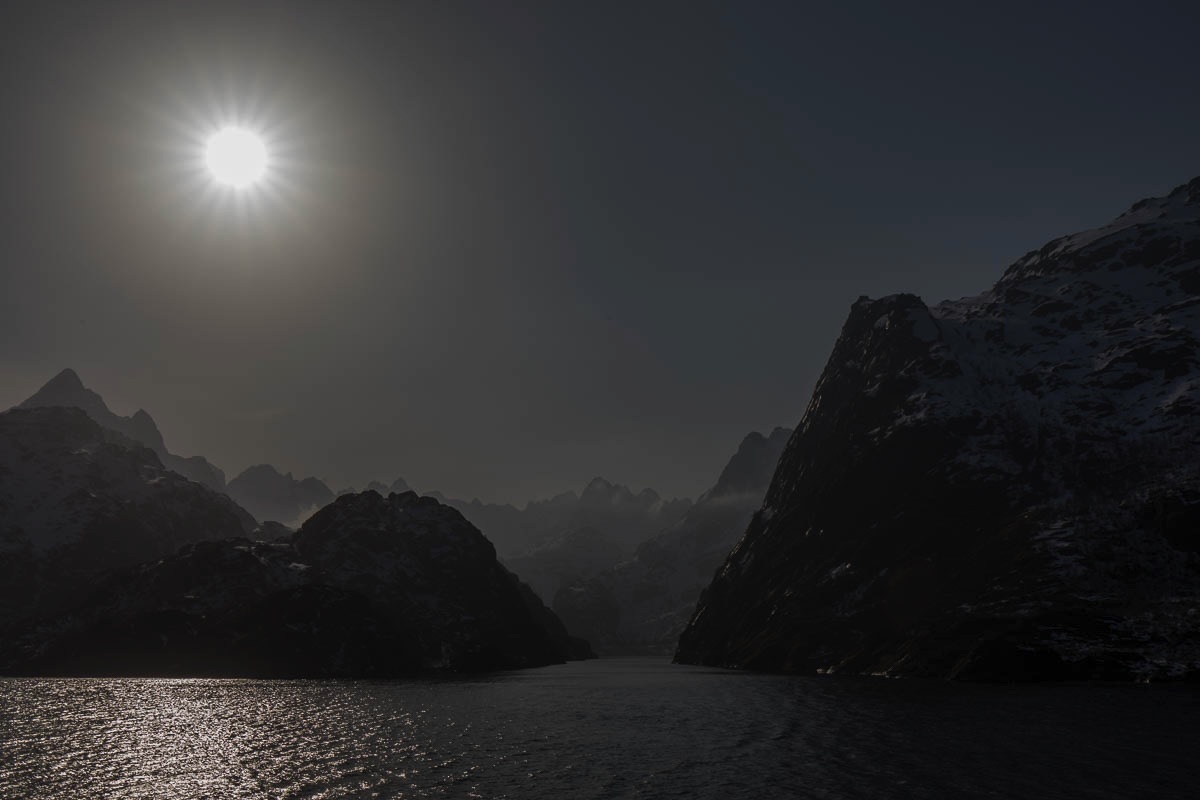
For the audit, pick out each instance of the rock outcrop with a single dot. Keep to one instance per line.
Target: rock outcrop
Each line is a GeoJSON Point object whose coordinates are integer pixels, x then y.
{"type": "Point", "coordinates": [1002, 487]}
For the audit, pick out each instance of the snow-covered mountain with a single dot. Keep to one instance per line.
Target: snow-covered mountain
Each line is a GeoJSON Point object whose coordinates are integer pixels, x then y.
{"type": "Point", "coordinates": [66, 390]}
{"type": "Point", "coordinates": [1004, 486]}
{"type": "Point", "coordinates": [269, 494]}
{"type": "Point", "coordinates": [77, 498]}
{"type": "Point", "coordinates": [369, 586]}
{"type": "Point", "coordinates": [642, 604]}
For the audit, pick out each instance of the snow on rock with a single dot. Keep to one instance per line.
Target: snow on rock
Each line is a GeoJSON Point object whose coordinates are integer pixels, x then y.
{"type": "Point", "coordinates": [76, 499]}
{"type": "Point", "coordinates": [1021, 464]}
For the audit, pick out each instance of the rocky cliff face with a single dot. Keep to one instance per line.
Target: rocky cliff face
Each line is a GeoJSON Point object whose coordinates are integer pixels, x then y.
{"type": "Point", "coordinates": [77, 499]}
{"type": "Point", "coordinates": [269, 495]}
{"type": "Point", "coordinates": [642, 604]}
{"type": "Point", "coordinates": [369, 586]}
{"type": "Point", "coordinates": [66, 390]}
{"type": "Point", "coordinates": [1001, 487]}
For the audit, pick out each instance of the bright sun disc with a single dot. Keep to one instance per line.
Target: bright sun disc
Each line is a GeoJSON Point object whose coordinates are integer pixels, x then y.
{"type": "Point", "coordinates": [236, 157]}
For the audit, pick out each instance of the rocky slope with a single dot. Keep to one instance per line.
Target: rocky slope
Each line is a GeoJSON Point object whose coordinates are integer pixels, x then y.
{"type": "Point", "coordinates": [76, 499]}
{"type": "Point", "coordinates": [368, 587]}
{"type": "Point", "coordinates": [642, 604]}
{"type": "Point", "coordinates": [270, 495]}
{"type": "Point", "coordinates": [1000, 487]}
{"type": "Point", "coordinates": [66, 390]}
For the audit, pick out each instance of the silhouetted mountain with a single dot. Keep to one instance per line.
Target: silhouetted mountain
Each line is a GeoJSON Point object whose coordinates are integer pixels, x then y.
{"type": "Point", "coordinates": [644, 603]}
{"type": "Point", "coordinates": [399, 486]}
{"type": "Point", "coordinates": [77, 498]}
{"type": "Point", "coordinates": [1000, 487]}
{"type": "Point", "coordinates": [66, 390]}
{"type": "Point", "coordinates": [269, 495]}
{"type": "Point", "coordinates": [368, 587]}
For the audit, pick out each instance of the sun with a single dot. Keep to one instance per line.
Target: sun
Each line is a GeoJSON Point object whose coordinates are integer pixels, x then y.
{"type": "Point", "coordinates": [236, 157]}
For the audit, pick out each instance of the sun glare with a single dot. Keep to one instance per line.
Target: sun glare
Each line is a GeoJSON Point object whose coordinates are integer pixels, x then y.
{"type": "Point", "coordinates": [236, 157]}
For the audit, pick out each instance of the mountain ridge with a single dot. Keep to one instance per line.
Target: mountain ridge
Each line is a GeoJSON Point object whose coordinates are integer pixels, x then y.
{"type": "Point", "coordinates": [66, 389]}
{"type": "Point", "coordinates": [997, 487]}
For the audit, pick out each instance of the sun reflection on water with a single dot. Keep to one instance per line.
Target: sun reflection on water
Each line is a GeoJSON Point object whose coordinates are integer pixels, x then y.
{"type": "Point", "coordinates": [617, 729]}
{"type": "Point", "coordinates": [173, 738]}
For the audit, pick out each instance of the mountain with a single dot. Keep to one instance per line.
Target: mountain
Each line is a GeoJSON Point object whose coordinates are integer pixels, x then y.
{"type": "Point", "coordinates": [66, 390]}
{"type": "Point", "coordinates": [571, 537]}
{"type": "Point", "coordinates": [269, 495]}
{"type": "Point", "coordinates": [398, 486]}
{"type": "Point", "coordinates": [368, 587]}
{"type": "Point", "coordinates": [642, 604]}
{"type": "Point", "coordinates": [608, 509]}
{"type": "Point", "coordinates": [77, 498]}
{"type": "Point", "coordinates": [1002, 487]}
{"type": "Point", "coordinates": [568, 558]}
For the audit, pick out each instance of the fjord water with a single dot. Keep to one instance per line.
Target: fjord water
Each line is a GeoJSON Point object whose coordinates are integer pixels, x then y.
{"type": "Point", "coordinates": [600, 729]}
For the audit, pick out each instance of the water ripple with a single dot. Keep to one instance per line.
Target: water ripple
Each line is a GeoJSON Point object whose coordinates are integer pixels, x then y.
{"type": "Point", "coordinates": [612, 729]}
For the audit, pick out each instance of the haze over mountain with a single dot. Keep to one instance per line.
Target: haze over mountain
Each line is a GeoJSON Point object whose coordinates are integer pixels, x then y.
{"type": "Point", "coordinates": [611, 510]}
{"type": "Point", "coordinates": [642, 604]}
{"type": "Point", "coordinates": [77, 499]}
{"type": "Point", "coordinates": [1000, 487]}
{"type": "Point", "coordinates": [269, 495]}
{"type": "Point", "coordinates": [66, 390]}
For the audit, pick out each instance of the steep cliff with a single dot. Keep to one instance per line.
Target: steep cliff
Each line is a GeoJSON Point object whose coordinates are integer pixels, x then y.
{"type": "Point", "coordinates": [1000, 487]}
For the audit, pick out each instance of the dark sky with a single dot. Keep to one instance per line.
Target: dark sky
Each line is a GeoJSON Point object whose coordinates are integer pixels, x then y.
{"type": "Point", "coordinates": [501, 251]}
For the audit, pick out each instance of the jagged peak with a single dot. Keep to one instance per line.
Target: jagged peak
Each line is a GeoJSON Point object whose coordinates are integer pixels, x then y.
{"type": "Point", "coordinates": [598, 484]}
{"type": "Point", "coordinates": [1190, 191]}
{"type": "Point", "coordinates": [750, 468]}
{"type": "Point", "coordinates": [66, 389]}
{"type": "Point", "coordinates": [67, 379]}
{"type": "Point", "coordinates": [780, 432]}
{"type": "Point", "coordinates": [1181, 204]}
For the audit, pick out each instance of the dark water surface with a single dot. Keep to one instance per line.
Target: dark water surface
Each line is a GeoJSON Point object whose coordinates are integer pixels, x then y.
{"type": "Point", "coordinates": [601, 729]}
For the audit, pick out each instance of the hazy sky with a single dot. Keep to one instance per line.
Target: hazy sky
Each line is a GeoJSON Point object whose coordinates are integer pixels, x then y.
{"type": "Point", "coordinates": [501, 251]}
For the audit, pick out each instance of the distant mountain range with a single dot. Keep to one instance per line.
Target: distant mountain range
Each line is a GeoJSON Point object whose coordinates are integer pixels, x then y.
{"type": "Point", "coordinates": [1001, 487]}
{"type": "Point", "coordinates": [66, 390]}
{"type": "Point", "coordinates": [610, 509]}
{"type": "Point", "coordinates": [262, 490]}
{"type": "Point", "coordinates": [111, 563]}
{"type": "Point", "coordinates": [642, 604]}
{"type": "Point", "coordinates": [267, 494]}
